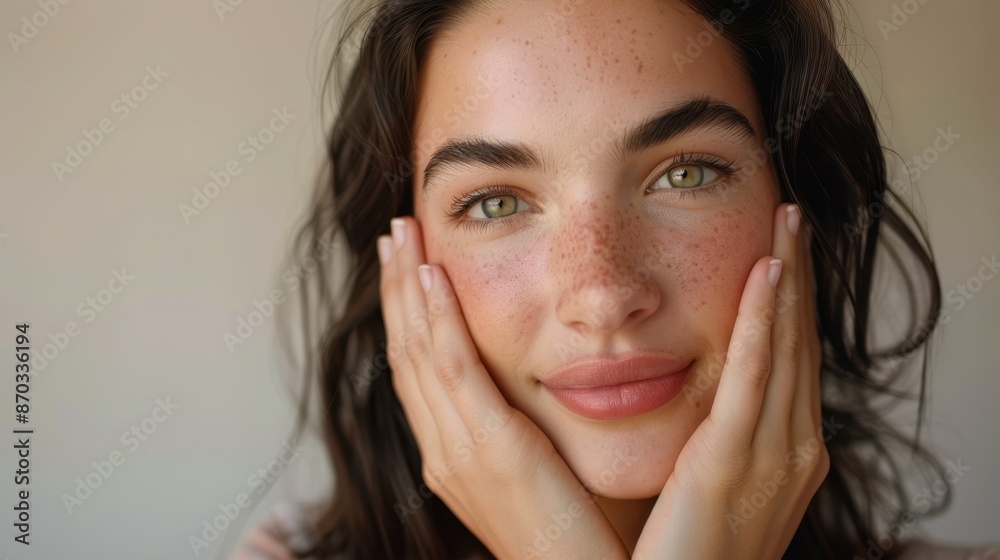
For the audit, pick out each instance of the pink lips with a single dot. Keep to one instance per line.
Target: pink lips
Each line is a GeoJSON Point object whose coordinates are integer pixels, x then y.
{"type": "Point", "coordinates": [604, 389]}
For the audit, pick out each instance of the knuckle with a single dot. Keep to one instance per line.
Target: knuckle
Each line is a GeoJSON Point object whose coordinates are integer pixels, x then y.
{"type": "Point", "coordinates": [788, 340]}
{"type": "Point", "coordinates": [417, 350]}
{"type": "Point", "coordinates": [396, 357]}
{"type": "Point", "coordinates": [450, 370]}
{"type": "Point", "coordinates": [786, 299]}
{"type": "Point", "coordinates": [772, 462]}
{"type": "Point", "coordinates": [756, 370]}
{"type": "Point", "coordinates": [752, 326]}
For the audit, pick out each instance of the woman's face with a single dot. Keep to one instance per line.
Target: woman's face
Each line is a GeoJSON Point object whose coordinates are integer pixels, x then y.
{"type": "Point", "coordinates": [593, 248]}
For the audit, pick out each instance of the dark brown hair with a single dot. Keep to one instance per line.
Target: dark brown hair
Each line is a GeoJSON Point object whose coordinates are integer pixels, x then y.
{"type": "Point", "coordinates": [828, 159]}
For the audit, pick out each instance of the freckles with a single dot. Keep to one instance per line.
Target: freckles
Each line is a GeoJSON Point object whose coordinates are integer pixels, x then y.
{"type": "Point", "coordinates": [497, 291]}
{"type": "Point", "coordinates": [712, 259]}
{"type": "Point", "coordinates": [598, 250]}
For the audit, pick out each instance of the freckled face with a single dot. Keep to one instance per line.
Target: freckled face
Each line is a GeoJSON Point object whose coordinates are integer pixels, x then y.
{"type": "Point", "coordinates": [593, 248]}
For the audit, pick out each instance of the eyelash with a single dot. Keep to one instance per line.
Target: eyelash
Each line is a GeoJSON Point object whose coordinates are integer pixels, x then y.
{"type": "Point", "coordinates": [462, 204]}
{"type": "Point", "coordinates": [725, 168]}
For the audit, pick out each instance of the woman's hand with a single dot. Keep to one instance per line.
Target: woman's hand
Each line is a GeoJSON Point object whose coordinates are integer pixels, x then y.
{"type": "Point", "coordinates": [742, 483]}
{"type": "Point", "coordinates": [492, 466]}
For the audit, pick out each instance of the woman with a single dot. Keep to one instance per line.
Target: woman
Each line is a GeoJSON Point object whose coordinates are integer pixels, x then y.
{"type": "Point", "coordinates": [644, 332]}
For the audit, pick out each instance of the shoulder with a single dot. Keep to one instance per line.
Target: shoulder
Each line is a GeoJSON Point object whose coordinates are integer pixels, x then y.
{"type": "Point", "coordinates": [925, 550]}
{"type": "Point", "coordinates": [264, 542]}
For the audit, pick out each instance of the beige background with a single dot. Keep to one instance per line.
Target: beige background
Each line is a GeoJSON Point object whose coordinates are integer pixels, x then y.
{"type": "Point", "coordinates": [63, 237]}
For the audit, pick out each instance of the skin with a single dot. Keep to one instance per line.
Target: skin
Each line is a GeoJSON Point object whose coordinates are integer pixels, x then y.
{"type": "Point", "coordinates": [591, 229]}
{"type": "Point", "coordinates": [597, 263]}
{"type": "Point", "coordinates": [593, 262]}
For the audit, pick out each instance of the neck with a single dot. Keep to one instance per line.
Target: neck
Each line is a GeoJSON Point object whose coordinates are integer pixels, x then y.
{"type": "Point", "coordinates": [627, 517]}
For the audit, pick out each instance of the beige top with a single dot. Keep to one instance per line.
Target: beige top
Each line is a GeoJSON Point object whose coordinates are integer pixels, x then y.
{"type": "Point", "coordinates": [260, 546]}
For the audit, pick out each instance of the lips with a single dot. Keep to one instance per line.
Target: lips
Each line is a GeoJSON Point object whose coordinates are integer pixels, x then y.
{"type": "Point", "coordinates": [604, 388]}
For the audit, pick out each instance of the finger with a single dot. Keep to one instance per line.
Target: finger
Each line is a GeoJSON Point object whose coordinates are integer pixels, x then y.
{"type": "Point", "coordinates": [404, 380]}
{"type": "Point", "coordinates": [419, 345]}
{"type": "Point", "coordinates": [748, 359]}
{"type": "Point", "coordinates": [775, 415]}
{"type": "Point", "coordinates": [808, 276]}
{"type": "Point", "coordinates": [807, 392]}
{"type": "Point", "coordinates": [460, 371]}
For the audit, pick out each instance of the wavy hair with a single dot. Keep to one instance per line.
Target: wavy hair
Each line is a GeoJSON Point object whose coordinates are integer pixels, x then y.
{"type": "Point", "coordinates": [829, 161]}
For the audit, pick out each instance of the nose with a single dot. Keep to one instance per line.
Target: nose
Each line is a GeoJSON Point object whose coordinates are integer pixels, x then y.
{"type": "Point", "coordinates": [601, 262]}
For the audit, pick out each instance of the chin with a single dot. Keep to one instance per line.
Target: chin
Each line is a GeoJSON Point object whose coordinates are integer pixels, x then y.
{"type": "Point", "coordinates": [626, 459]}
{"type": "Point", "coordinates": [642, 487]}
{"type": "Point", "coordinates": [626, 468]}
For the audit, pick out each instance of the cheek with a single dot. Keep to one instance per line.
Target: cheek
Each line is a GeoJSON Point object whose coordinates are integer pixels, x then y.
{"type": "Point", "coordinates": [713, 262]}
{"type": "Point", "coordinates": [499, 292]}
{"type": "Point", "coordinates": [717, 257]}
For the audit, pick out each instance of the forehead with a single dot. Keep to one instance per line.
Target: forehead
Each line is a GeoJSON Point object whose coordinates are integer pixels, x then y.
{"type": "Point", "coordinates": [560, 73]}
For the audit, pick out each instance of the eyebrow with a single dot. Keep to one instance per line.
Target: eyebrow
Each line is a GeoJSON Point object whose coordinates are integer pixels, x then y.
{"type": "Point", "coordinates": [698, 113]}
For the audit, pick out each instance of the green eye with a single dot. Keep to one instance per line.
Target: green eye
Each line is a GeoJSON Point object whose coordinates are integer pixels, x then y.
{"type": "Point", "coordinates": [688, 176]}
{"type": "Point", "coordinates": [499, 206]}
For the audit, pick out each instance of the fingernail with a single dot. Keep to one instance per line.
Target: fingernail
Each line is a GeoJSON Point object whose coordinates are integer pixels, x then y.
{"type": "Point", "coordinates": [793, 219]}
{"type": "Point", "coordinates": [384, 246]}
{"type": "Point", "coordinates": [774, 272]}
{"type": "Point", "coordinates": [426, 276]}
{"type": "Point", "coordinates": [398, 231]}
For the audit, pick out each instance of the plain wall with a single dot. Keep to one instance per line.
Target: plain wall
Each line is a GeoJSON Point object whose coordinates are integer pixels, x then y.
{"type": "Point", "coordinates": [65, 235]}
